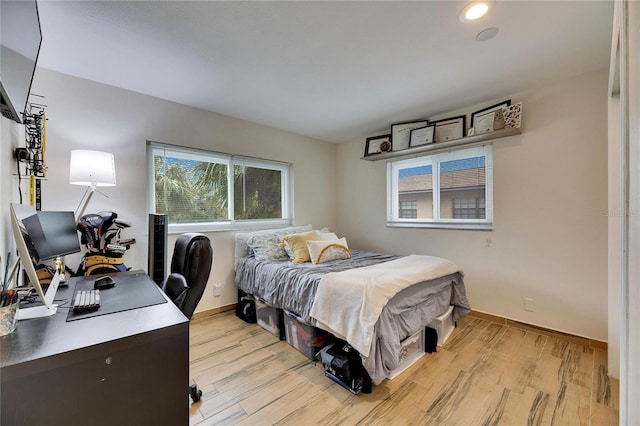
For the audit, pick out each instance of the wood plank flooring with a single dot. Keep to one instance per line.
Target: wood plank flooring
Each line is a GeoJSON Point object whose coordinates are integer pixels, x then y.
{"type": "Point", "coordinates": [486, 374]}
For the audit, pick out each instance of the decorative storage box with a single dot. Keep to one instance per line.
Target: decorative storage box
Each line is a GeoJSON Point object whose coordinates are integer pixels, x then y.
{"type": "Point", "coordinates": [444, 325]}
{"type": "Point", "coordinates": [304, 337]}
{"type": "Point", "coordinates": [411, 350]}
{"type": "Point", "coordinates": [270, 318]}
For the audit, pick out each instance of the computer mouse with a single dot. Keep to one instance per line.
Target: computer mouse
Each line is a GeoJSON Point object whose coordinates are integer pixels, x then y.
{"type": "Point", "coordinates": [103, 283]}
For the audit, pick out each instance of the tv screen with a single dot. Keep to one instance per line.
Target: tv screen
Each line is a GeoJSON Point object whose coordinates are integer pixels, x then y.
{"type": "Point", "coordinates": [20, 39]}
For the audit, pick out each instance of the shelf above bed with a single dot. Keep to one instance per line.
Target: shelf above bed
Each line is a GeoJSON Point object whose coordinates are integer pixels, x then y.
{"type": "Point", "coordinates": [441, 146]}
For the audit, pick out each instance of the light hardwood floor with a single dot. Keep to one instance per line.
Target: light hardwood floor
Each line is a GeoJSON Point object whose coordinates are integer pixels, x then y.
{"type": "Point", "coordinates": [486, 374]}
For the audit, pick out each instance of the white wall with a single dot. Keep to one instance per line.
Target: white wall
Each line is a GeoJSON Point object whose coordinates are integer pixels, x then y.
{"type": "Point", "coordinates": [549, 241]}
{"type": "Point", "coordinates": [550, 236]}
{"type": "Point", "coordinates": [615, 215]}
{"type": "Point", "coordinates": [11, 137]}
{"type": "Point", "coordinates": [87, 115]}
{"type": "Point", "coordinates": [632, 319]}
{"type": "Point", "coordinates": [628, 13]}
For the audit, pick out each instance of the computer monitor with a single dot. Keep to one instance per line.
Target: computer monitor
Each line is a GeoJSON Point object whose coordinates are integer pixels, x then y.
{"type": "Point", "coordinates": [51, 243]}
{"type": "Point", "coordinates": [52, 234]}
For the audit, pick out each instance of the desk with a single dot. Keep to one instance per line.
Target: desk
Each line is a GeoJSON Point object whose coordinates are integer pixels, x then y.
{"type": "Point", "coordinates": [125, 368]}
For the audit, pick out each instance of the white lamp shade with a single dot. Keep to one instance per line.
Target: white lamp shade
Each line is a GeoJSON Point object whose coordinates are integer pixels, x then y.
{"type": "Point", "coordinates": [92, 168]}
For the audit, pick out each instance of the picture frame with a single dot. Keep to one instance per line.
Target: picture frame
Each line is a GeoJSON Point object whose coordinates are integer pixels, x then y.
{"type": "Point", "coordinates": [489, 122]}
{"type": "Point", "coordinates": [401, 133]}
{"type": "Point", "coordinates": [377, 144]}
{"type": "Point", "coordinates": [422, 135]}
{"type": "Point", "coordinates": [449, 129]}
{"type": "Point", "coordinates": [513, 116]}
{"type": "Point", "coordinates": [482, 120]}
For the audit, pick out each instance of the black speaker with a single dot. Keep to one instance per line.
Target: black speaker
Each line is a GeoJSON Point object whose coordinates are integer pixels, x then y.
{"type": "Point", "coordinates": [158, 234]}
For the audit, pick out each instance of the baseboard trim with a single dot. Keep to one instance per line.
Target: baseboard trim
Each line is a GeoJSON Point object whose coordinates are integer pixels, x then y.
{"type": "Point", "coordinates": [596, 344]}
{"type": "Point", "coordinates": [213, 311]}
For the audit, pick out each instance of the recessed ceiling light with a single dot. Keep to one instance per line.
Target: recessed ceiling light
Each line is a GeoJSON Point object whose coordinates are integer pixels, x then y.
{"type": "Point", "coordinates": [473, 11]}
{"type": "Point", "coordinates": [487, 34]}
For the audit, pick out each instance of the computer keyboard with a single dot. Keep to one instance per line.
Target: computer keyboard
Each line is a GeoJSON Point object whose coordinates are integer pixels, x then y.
{"type": "Point", "coordinates": [86, 300]}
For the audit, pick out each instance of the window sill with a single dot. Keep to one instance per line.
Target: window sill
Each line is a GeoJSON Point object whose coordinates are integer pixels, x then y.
{"type": "Point", "coordinates": [443, 225]}
{"type": "Point", "coordinates": [225, 226]}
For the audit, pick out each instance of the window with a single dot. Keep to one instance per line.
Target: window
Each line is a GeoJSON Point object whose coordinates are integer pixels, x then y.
{"type": "Point", "coordinates": [445, 190]}
{"type": "Point", "coordinates": [201, 190]}
{"type": "Point", "coordinates": [409, 209]}
{"type": "Point", "coordinates": [468, 208]}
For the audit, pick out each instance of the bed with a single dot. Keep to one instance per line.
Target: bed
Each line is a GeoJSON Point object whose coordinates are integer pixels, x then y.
{"type": "Point", "coordinates": [409, 296]}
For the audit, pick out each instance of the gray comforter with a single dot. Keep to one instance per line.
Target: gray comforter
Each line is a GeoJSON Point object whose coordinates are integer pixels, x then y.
{"type": "Point", "coordinates": [293, 286]}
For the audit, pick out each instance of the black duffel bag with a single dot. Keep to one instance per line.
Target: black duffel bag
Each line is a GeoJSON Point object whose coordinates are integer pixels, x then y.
{"type": "Point", "coordinates": [343, 364]}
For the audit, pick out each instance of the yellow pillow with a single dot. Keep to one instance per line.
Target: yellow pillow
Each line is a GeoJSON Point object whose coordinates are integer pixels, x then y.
{"type": "Point", "coordinates": [297, 245]}
{"type": "Point", "coordinates": [328, 250]}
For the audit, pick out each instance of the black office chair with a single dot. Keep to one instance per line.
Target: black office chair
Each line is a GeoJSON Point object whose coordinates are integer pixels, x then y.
{"type": "Point", "coordinates": [190, 268]}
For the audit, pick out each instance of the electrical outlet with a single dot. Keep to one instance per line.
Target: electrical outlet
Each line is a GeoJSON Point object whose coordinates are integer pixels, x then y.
{"type": "Point", "coordinates": [529, 304]}
{"type": "Point", "coordinates": [22, 154]}
{"type": "Point", "coordinates": [217, 289]}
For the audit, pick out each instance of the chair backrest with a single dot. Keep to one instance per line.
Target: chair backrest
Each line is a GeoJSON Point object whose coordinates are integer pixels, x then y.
{"type": "Point", "coordinates": [192, 258]}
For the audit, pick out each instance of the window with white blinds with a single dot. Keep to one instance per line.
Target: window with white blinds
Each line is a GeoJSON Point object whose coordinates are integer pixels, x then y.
{"type": "Point", "coordinates": [201, 190]}
{"type": "Point", "coordinates": [444, 190]}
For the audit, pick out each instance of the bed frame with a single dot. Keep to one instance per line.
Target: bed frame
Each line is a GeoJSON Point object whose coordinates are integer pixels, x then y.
{"type": "Point", "coordinates": [379, 364]}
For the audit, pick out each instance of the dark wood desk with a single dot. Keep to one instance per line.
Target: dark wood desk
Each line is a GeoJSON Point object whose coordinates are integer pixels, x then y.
{"type": "Point", "coordinates": [125, 368]}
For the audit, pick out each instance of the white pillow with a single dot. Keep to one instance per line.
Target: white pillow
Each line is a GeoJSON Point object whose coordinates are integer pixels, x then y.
{"type": "Point", "coordinates": [322, 251]}
{"type": "Point", "coordinates": [326, 236]}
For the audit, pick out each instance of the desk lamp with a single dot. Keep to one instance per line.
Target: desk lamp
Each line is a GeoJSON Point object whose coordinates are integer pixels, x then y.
{"type": "Point", "coordinates": [91, 169]}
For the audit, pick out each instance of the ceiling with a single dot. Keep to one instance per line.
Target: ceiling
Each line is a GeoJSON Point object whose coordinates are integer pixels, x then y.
{"type": "Point", "coordinates": [331, 70]}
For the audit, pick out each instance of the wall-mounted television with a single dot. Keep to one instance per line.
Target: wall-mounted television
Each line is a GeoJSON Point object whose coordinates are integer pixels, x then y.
{"type": "Point", "coordinates": [20, 40]}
